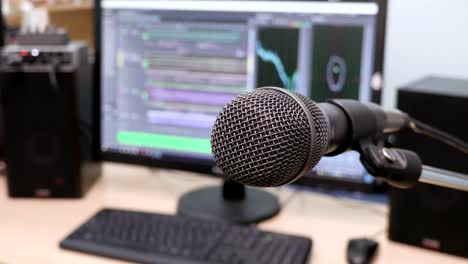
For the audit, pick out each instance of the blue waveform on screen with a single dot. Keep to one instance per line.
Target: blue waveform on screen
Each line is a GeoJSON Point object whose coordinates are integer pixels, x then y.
{"type": "Point", "coordinates": [273, 57]}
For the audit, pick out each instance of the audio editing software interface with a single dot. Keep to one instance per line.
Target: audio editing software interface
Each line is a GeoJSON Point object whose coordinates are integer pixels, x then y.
{"type": "Point", "coordinates": [168, 69]}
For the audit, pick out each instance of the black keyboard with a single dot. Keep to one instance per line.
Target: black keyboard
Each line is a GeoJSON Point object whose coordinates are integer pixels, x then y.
{"type": "Point", "coordinates": [165, 239]}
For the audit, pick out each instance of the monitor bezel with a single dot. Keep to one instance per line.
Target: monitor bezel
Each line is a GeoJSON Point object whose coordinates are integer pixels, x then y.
{"type": "Point", "coordinates": [209, 167]}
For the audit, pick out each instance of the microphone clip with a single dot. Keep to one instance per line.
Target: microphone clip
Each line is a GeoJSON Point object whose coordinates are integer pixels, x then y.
{"type": "Point", "coordinates": [399, 167]}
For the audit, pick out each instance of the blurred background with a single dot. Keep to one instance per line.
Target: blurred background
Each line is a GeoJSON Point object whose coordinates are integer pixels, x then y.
{"type": "Point", "coordinates": [107, 109]}
{"type": "Point", "coordinates": [423, 37]}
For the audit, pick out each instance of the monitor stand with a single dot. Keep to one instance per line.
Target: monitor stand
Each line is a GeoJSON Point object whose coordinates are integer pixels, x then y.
{"type": "Point", "coordinates": [233, 202]}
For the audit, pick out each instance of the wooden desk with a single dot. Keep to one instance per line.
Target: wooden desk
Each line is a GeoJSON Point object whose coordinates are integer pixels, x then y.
{"type": "Point", "coordinates": [30, 230]}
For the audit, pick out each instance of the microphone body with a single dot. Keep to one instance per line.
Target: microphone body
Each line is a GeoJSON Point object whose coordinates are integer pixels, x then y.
{"type": "Point", "coordinates": [271, 136]}
{"type": "Point", "coordinates": [350, 120]}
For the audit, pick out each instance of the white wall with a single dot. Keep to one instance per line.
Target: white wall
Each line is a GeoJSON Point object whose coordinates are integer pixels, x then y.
{"type": "Point", "coordinates": [424, 37]}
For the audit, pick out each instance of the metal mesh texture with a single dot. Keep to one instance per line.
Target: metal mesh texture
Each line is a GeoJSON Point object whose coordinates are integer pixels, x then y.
{"type": "Point", "coordinates": [263, 138]}
{"type": "Point", "coordinates": [321, 130]}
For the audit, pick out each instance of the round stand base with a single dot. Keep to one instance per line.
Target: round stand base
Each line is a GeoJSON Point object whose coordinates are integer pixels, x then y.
{"type": "Point", "coordinates": [208, 203]}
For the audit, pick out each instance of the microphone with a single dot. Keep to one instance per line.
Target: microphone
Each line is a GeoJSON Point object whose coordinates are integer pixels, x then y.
{"type": "Point", "coordinates": [271, 136]}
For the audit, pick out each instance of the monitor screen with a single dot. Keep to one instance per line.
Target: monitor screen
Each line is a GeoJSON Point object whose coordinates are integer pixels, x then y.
{"type": "Point", "coordinates": [168, 67]}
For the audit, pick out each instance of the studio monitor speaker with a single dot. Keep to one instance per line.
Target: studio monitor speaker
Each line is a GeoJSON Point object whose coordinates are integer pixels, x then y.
{"type": "Point", "coordinates": [2, 26]}
{"type": "Point", "coordinates": [50, 146]}
{"type": "Point", "coordinates": [430, 216]}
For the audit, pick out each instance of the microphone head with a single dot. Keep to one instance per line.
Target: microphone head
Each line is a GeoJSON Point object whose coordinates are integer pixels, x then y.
{"type": "Point", "coordinates": [269, 137]}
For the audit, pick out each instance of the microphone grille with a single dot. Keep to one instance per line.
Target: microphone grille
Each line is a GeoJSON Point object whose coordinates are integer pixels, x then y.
{"type": "Point", "coordinates": [321, 129]}
{"type": "Point", "coordinates": [263, 138]}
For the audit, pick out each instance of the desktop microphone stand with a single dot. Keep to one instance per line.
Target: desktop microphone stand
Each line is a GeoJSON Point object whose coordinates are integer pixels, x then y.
{"type": "Point", "coordinates": [444, 178]}
{"type": "Point", "coordinates": [232, 202]}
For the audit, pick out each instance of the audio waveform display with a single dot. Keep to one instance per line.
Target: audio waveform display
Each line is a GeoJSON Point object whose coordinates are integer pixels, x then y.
{"type": "Point", "coordinates": [197, 63]}
{"type": "Point", "coordinates": [272, 57]}
{"type": "Point", "coordinates": [194, 86]}
{"type": "Point", "coordinates": [184, 106]}
{"type": "Point", "coordinates": [225, 36]}
{"type": "Point", "coordinates": [177, 76]}
{"type": "Point", "coordinates": [277, 53]}
{"type": "Point", "coordinates": [194, 120]}
{"type": "Point", "coordinates": [193, 97]}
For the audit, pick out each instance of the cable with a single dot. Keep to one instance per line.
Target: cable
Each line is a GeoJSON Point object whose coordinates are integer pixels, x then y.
{"type": "Point", "coordinates": [434, 133]}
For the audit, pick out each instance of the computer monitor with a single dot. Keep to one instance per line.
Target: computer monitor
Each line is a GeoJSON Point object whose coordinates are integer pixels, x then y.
{"type": "Point", "coordinates": [166, 69]}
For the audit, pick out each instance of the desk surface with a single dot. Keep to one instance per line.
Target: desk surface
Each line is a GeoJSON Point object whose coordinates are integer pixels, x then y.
{"type": "Point", "coordinates": [30, 230]}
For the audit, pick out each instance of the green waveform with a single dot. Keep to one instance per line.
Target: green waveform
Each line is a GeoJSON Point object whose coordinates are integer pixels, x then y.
{"type": "Point", "coordinates": [190, 144]}
{"type": "Point", "coordinates": [223, 36]}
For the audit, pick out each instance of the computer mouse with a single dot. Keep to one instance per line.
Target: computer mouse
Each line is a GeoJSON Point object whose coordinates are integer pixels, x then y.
{"type": "Point", "coordinates": [361, 250]}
